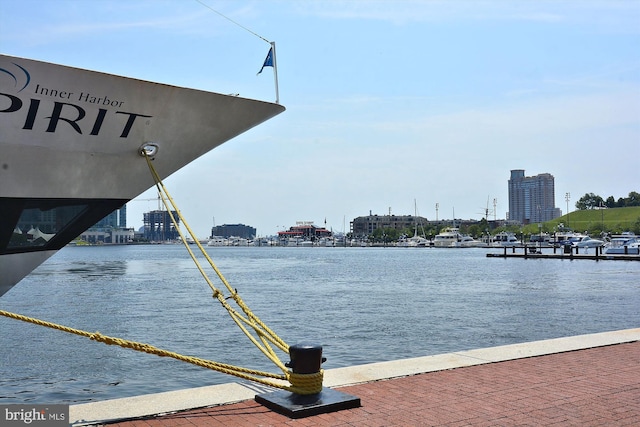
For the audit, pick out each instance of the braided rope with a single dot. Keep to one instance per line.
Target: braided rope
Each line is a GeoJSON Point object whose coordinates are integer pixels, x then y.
{"type": "Point", "coordinates": [304, 384]}
{"type": "Point", "coordinates": [237, 371]}
{"type": "Point", "coordinates": [265, 334]}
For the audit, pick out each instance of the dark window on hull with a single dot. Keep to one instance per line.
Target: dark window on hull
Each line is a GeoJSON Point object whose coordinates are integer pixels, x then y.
{"type": "Point", "coordinates": [48, 224]}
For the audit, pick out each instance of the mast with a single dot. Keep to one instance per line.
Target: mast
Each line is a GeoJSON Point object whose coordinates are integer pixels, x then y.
{"type": "Point", "coordinates": [415, 218]}
{"type": "Point", "coordinates": [275, 71]}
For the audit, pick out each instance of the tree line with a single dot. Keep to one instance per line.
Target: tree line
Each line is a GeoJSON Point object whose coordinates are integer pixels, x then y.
{"type": "Point", "coordinates": [593, 201]}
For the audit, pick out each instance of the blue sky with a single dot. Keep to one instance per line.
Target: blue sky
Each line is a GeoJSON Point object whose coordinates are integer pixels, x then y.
{"type": "Point", "coordinates": [387, 101]}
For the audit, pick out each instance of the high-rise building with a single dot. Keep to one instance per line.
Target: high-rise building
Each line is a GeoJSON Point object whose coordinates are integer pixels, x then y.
{"type": "Point", "coordinates": [116, 219]}
{"type": "Point", "coordinates": [532, 198]}
{"type": "Point", "coordinates": [158, 226]}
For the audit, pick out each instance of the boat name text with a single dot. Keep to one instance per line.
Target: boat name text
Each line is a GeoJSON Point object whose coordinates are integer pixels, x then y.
{"type": "Point", "coordinates": [84, 97]}
{"type": "Point", "coordinates": [69, 113]}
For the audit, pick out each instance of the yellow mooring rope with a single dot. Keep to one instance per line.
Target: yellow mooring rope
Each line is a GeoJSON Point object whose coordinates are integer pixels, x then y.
{"type": "Point", "coordinates": [264, 337]}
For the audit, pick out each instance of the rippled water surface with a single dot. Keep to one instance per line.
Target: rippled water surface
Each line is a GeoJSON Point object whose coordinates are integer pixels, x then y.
{"type": "Point", "coordinates": [361, 304]}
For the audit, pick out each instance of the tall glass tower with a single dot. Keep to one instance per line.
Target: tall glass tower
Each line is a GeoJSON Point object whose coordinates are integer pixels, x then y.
{"type": "Point", "coordinates": [532, 198]}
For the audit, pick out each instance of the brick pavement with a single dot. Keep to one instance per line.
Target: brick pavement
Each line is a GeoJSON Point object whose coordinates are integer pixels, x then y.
{"type": "Point", "coordinates": [592, 387]}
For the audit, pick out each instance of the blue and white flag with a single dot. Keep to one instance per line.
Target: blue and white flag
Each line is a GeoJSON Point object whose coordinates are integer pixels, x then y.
{"type": "Point", "coordinates": [268, 62]}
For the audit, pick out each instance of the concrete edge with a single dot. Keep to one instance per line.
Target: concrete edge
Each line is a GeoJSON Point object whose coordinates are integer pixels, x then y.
{"type": "Point", "coordinates": [398, 368]}
{"type": "Point", "coordinates": [180, 400]}
{"type": "Point", "coordinates": [157, 403]}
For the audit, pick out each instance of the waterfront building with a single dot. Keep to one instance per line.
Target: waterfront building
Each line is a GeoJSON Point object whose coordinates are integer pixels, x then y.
{"type": "Point", "coordinates": [108, 235]}
{"type": "Point", "coordinates": [234, 230]}
{"type": "Point", "coordinates": [532, 198]}
{"type": "Point", "coordinates": [365, 225]}
{"type": "Point", "coordinates": [305, 230]}
{"type": "Point", "coordinates": [110, 229]}
{"type": "Point", "coordinates": [158, 227]}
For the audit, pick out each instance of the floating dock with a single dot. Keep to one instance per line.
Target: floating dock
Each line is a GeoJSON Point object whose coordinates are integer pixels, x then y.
{"type": "Point", "coordinates": [570, 253]}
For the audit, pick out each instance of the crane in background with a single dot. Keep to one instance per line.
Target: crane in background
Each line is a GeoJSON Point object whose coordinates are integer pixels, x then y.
{"type": "Point", "coordinates": [149, 200]}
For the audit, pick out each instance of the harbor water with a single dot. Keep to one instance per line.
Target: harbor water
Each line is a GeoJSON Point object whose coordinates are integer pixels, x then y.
{"type": "Point", "coordinates": [362, 305]}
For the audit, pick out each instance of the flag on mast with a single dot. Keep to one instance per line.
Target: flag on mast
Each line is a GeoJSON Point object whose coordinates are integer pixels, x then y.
{"type": "Point", "coordinates": [268, 62]}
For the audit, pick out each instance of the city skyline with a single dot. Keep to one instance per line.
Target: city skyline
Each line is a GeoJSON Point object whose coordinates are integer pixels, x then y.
{"type": "Point", "coordinates": [489, 213]}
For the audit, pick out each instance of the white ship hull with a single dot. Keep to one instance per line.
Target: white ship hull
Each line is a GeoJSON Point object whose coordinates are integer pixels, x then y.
{"type": "Point", "coordinates": [70, 142]}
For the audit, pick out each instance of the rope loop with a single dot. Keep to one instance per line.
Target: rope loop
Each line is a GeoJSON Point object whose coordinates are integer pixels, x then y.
{"type": "Point", "coordinates": [305, 383]}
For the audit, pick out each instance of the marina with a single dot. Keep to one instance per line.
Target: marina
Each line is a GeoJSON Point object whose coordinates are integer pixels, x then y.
{"type": "Point", "coordinates": [399, 319]}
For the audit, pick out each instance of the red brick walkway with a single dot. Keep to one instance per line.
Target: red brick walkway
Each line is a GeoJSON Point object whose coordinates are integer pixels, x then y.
{"type": "Point", "coordinates": [592, 387]}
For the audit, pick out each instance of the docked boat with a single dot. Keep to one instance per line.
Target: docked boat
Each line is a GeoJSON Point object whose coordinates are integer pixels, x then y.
{"type": "Point", "coordinates": [413, 242]}
{"type": "Point", "coordinates": [628, 244]}
{"type": "Point", "coordinates": [218, 241]}
{"type": "Point", "coordinates": [505, 239]}
{"type": "Point", "coordinates": [451, 237]}
{"type": "Point", "coordinates": [470, 242]}
{"type": "Point", "coordinates": [447, 238]}
{"type": "Point", "coordinates": [588, 242]}
{"type": "Point", "coordinates": [567, 238]}
{"type": "Point", "coordinates": [74, 143]}
{"type": "Point", "coordinates": [418, 242]}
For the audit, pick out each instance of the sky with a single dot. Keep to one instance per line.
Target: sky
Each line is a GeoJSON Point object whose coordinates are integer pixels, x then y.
{"type": "Point", "coordinates": [392, 106]}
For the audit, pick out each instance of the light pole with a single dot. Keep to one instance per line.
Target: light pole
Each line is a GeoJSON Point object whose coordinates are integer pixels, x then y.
{"type": "Point", "coordinates": [540, 238]}
{"type": "Point", "coordinates": [567, 196]}
{"type": "Point", "coordinates": [540, 227]}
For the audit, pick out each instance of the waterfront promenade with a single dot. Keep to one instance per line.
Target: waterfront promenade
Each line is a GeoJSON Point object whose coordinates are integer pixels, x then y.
{"type": "Point", "coordinates": [587, 380]}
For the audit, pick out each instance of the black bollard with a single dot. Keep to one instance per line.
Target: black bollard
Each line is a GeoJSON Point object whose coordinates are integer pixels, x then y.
{"type": "Point", "coordinates": [305, 358]}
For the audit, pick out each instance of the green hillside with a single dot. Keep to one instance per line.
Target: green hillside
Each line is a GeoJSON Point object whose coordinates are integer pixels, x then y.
{"type": "Point", "coordinates": [594, 221]}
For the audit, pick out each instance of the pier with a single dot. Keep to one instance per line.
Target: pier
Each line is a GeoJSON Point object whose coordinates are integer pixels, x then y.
{"type": "Point", "coordinates": [586, 380]}
{"type": "Point", "coordinates": [567, 252]}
